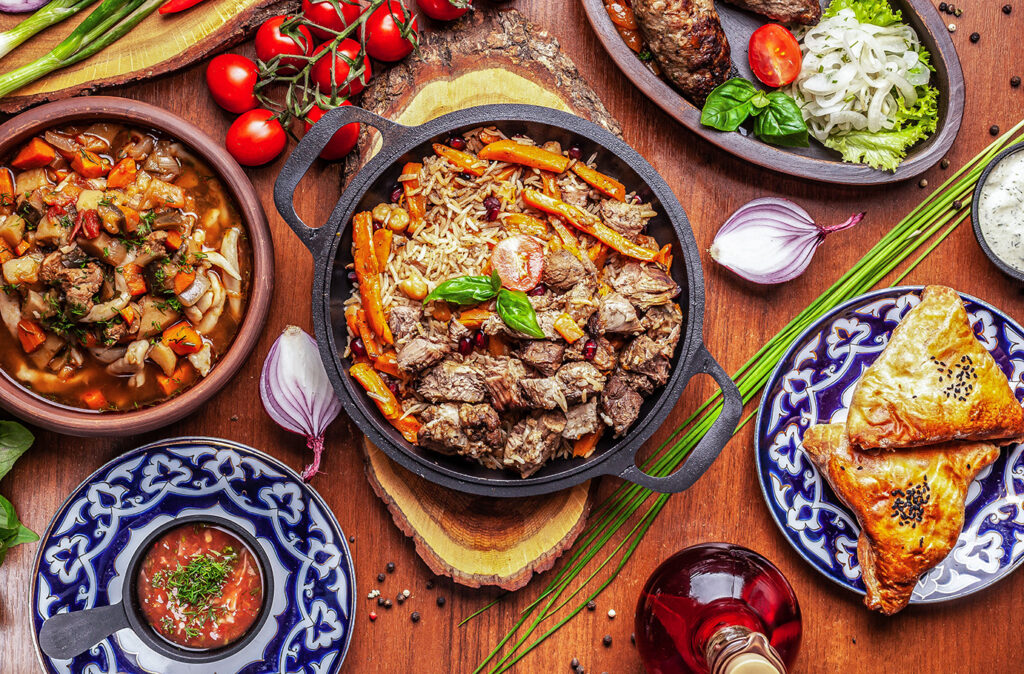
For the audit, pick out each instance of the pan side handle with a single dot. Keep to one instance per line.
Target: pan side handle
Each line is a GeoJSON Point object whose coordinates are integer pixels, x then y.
{"type": "Point", "coordinates": [709, 447]}
{"type": "Point", "coordinates": [307, 151]}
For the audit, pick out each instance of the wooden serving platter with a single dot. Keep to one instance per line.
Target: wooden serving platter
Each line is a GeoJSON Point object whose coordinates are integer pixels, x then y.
{"type": "Point", "coordinates": [158, 45]}
{"type": "Point", "coordinates": [815, 162]}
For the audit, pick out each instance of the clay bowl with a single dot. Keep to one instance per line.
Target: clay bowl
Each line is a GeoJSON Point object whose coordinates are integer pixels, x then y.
{"type": "Point", "coordinates": [72, 421]}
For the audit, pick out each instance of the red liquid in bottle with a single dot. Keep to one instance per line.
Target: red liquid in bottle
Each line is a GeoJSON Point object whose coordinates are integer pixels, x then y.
{"type": "Point", "coordinates": [699, 591]}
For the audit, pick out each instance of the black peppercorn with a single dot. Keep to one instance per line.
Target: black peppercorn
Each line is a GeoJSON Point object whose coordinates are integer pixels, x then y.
{"type": "Point", "coordinates": [950, 9]}
{"type": "Point", "coordinates": [580, 670]}
{"type": "Point", "coordinates": [1014, 81]}
{"type": "Point", "coordinates": [957, 204]}
{"type": "Point", "coordinates": [1007, 9]}
{"type": "Point", "coordinates": [994, 130]}
{"type": "Point", "coordinates": [387, 603]}
{"type": "Point", "coordinates": [430, 584]}
{"type": "Point", "coordinates": [575, 663]}
{"type": "Point", "coordinates": [415, 617]}
{"type": "Point", "coordinates": [351, 539]}
{"type": "Point", "coordinates": [380, 577]}
{"type": "Point", "coordinates": [944, 163]}
{"type": "Point", "coordinates": [380, 601]}
{"type": "Point", "coordinates": [400, 598]}
{"type": "Point", "coordinates": [607, 641]}
{"type": "Point", "coordinates": [441, 601]}
{"type": "Point", "coordinates": [943, 6]}
{"type": "Point", "coordinates": [632, 638]}
{"type": "Point", "coordinates": [975, 37]}
{"type": "Point", "coordinates": [591, 606]}
{"type": "Point", "coordinates": [391, 567]}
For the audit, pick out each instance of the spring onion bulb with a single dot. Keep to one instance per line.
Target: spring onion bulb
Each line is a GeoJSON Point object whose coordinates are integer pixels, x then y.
{"type": "Point", "coordinates": [296, 391]}
{"type": "Point", "coordinates": [771, 240]}
{"type": "Point", "coordinates": [53, 12]}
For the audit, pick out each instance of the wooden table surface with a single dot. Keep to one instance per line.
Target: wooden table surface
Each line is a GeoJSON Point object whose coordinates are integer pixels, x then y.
{"type": "Point", "coordinates": [978, 634]}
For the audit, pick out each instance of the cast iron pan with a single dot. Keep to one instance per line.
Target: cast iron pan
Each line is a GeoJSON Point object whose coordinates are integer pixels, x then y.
{"type": "Point", "coordinates": [331, 246]}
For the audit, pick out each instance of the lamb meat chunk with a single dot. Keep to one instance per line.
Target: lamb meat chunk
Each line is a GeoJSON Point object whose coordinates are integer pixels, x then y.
{"type": "Point", "coordinates": [562, 270]}
{"type": "Point", "coordinates": [153, 248]}
{"type": "Point", "coordinates": [533, 441]}
{"type": "Point", "coordinates": [452, 381]}
{"type": "Point", "coordinates": [637, 381]}
{"type": "Point", "coordinates": [79, 285]}
{"type": "Point", "coordinates": [644, 355]}
{"type": "Point", "coordinates": [645, 285]}
{"type": "Point", "coordinates": [605, 358]}
{"type": "Point", "coordinates": [482, 424]}
{"type": "Point", "coordinates": [626, 219]}
{"type": "Point", "coordinates": [501, 377]}
{"type": "Point", "coordinates": [493, 325]}
{"type": "Point", "coordinates": [616, 314]}
{"type": "Point", "coordinates": [620, 405]}
{"type": "Point", "coordinates": [442, 429]}
{"type": "Point", "coordinates": [544, 356]}
{"type": "Point", "coordinates": [472, 431]}
{"type": "Point", "coordinates": [49, 270]}
{"type": "Point", "coordinates": [544, 302]}
{"type": "Point", "coordinates": [542, 393]}
{"type": "Point", "coordinates": [456, 331]}
{"type": "Point", "coordinates": [404, 322]}
{"type": "Point", "coordinates": [420, 353]}
{"type": "Point", "coordinates": [581, 420]}
{"type": "Point", "coordinates": [581, 302]}
{"type": "Point", "coordinates": [664, 324]}
{"type": "Point", "coordinates": [806, 12]}
{"type": "Point", "coordinates": [580, 381]}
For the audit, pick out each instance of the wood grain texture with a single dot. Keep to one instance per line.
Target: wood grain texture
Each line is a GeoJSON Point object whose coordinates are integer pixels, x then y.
{"type": "Point", "coordinates": [977, 635]}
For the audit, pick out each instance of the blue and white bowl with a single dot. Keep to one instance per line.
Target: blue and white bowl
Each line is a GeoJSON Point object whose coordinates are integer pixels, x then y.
{"type": "Point", "coordinates": [814, 383]}
{"type": "Point", "coordinates": [84, 554]}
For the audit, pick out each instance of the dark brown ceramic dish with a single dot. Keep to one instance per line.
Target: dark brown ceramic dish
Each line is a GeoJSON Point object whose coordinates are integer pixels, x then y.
{"type": "Point", "coordinates": [815, 162]}
{"type": "Point", "coordinates": [37, 410]}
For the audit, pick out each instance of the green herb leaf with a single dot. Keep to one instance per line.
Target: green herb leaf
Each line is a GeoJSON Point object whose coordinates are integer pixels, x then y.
{"type": "Point", "coordinates": [729, 104]}
{"type": "Point", "coordinates": [515, 309]}
{"type": "Point", "coordinates": [759, 102]}
{"type": "Point", "coordinates": [781, 122]}
{"type": "Point", "coordinates": [876, 12]}
{"type": "Point", "coordinates": [14, 440]}
{"type": "Point", "coordinates": [466, 289]}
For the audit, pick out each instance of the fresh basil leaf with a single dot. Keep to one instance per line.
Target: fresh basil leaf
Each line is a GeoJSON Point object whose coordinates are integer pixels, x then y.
{"type": "Point", "coordinates": [466, 290]}
{"type": "Point", "coordinates": [12, 531]}
{"type": "Point", "coordinates": [8, 518]}
{"type": "Point", "coordinates": [22, 535]}
{"type": "Point", "coordinates": [728, 105]}
{"type": "Point", "coordinates": [495, 281]}
{"type": "Point", "coordinates": [759, 102]}
{"type": "Point", "coordinates": [14, 440]}
{"type": "Point", "coordinates": [781, 122]}
{"type": "Point", "coordinates": [515, 309]}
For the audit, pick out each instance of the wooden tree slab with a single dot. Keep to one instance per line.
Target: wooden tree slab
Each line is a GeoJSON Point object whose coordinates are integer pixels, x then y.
{"type": "Point", "coordinates": [488, 57]}
{"type": "Point", "coordinates": [159, 44]}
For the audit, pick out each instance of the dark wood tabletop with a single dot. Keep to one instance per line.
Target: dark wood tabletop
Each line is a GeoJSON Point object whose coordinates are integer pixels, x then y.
{"type": "Point", "coordinates": [979, 634]}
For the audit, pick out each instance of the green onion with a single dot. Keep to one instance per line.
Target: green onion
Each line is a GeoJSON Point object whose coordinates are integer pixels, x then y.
{"type": "Point", "coordinates": [937, 216]}
{"type": "Point", "coordinates": [107, 24]}
{"type": "Point", "coordinates": [46, 16]}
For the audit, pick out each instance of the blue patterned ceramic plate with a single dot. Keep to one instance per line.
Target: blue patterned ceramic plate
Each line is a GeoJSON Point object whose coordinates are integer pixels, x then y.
{"type": "Point", "coordinates": [83, 555]}
{"type": "Point", "coordinates": [814, 383]}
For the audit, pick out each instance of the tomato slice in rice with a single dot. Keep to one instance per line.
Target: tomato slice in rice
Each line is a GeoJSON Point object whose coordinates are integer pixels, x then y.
{"type": "Point", "coordinates": [519, 261]}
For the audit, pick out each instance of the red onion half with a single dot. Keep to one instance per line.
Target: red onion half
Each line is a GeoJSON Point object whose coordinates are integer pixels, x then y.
{"type": "Point", "coordinates": [21, 6]}
{"type": "Point", "coordinates": [296, 391]}
{"type": "Point", "coordinates": [771, 240]}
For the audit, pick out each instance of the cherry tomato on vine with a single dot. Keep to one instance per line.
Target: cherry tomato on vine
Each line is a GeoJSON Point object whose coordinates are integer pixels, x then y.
{"type": "Point", "coordinates": [255, 138]}
{"type": "Point", "coordinates": [346, 55]}
{"type": "Point", "coordinates": [444, 10]}
{"type": "Point", "coordinates": [231, 79]}
{"type": "Point", "coordinates": [774, 55]}
{"type": "Point", "coordinates": [270, 42]}
{"type": "Point", "coordinates": [389, 32]}
{"type": "Point", "coordinates": [324, 14]}
{"type": "Point", "coordinates": [342, 142]}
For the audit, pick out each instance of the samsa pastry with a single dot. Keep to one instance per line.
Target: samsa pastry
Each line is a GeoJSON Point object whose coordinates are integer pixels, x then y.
{"type": "Point", "coordinates": [910, 505]}
{"type": "Point", "coordinates": [933, 382]}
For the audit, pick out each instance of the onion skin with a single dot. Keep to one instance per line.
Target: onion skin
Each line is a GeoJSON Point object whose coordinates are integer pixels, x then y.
{"type": "Point", "coordinates": [20, 6]}
{"type": "Point", "coordinates": [771, 240]}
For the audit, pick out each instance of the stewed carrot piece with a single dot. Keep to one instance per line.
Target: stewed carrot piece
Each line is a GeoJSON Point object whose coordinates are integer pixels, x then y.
{"type": "Point", "coordinates": [528, 155]}
{"type": "Point", "coordinates": [30, 334]}
{"type": "Point", "coordinates": [36, 154]}
{"type": "Point", "coordinates": [461, 160]}
{"type": "Point", "coordinates": [94, 399]}
{"type": "Point", "coordinates": [606, 185]}
{"type": "Point", "coordinates": [123, 174]}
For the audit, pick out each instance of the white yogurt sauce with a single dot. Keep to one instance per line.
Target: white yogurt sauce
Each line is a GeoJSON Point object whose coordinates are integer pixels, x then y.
{"type": "Point", "coordinates": [1001, 210]}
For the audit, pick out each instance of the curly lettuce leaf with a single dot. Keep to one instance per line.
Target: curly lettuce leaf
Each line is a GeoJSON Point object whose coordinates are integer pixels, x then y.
{"type": "Point", "coordinates": [875, 12]}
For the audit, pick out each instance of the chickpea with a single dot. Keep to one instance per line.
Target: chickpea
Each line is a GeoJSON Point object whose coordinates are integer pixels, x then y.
{"type": "Point", "coordinates": [381, 212]}
{"type": "Point", "coordinates": [414, 287]}
{"type": "Point", "coordinates": [399, 219]}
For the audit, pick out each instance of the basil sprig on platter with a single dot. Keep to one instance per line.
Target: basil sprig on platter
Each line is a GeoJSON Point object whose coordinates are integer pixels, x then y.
{"type": "Point", "coordinates": [14, 440]}
{"type": "Point", "coordinates": [513, 305]}
{"type": "Point", "coordinates": [777, 118]}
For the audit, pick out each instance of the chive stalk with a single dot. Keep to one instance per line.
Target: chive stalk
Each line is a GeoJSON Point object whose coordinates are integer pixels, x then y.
{"type": "Point", "coordinates": [52, 13]}
{"type": "Point", "coordinates": [933, 220]}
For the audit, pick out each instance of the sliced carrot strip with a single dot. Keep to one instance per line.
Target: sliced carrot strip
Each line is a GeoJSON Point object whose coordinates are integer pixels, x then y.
{"type": "Point", "coordinates": [462, 160]}
{"type": "Point", "coordinates": [606, 185]}
{"type": "Point", "coordinates": [415, 201]}
{"type": "Point", "coordinates": [475, 317]}
{"type": "Point", "coordinates": [586, 443]}
{"type": "Point", "coordinates": [528, 155]}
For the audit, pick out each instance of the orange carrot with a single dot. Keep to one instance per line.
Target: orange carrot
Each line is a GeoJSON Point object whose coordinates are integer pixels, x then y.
{"type": "Point", "coordinates": [527, 224]}
{"type": "Point", "coordinates": [568, 328]}
{"type": "Point", "coordinates": [89, 164]}
{"type": "Point", "coordinates": [665, 256]}
{"type": "Point", "coordinates": [182, 280]}
{"type": "Point", "coordinates": [94, 399]}
{"type": "Point", "coordinates": [474, 318]}
{"type": "Point", "coordinates": [378, 390]}
{"type": "Point", "coordinates": [132, 219]}
{"type": "Point", "coordinates": [408, 426]}
{"type": "Point", "coordinates": [30, 334]}
{"type": "Point", "coordinates": [182, 338]}
{"type": "Point", "coordinates": [182, 376]}
{"type": "Point", "coordinates": [134, 280]}
{"type": "Point", "coordinates": [6, 191]}
{"type": "Point", "coordinates": [598, 255]}
{"type": "Point", "coordinates": [415, 201]}
{"type": "Point", "coordinates": [36, 154]}
{"type": "Point", "coordinates": [527, 155]}
{"type": "Point", "coordinates": [22, 247]}
{"type": "Point", "coordinates": [550, 184]}
{"type": "Point", "coordinates": [586, 443]}
{"type": "Point", "coordinates": [487, 136]}
{"type": "Point", "coordinates": [606, 185]}
{"type": "Point", "coordinates": [127, 314]}
{"type": "Point", "coordinates": [496, 346]}
{"type": "Point", "coordinates": [351, 320]}
{"type": "Point", "coordinates": [367, 273]}
{"type": "Point", "coordinates": [382, 246]}
{"type": "Point", "coordinates": [5, 252]}
{"type": "Point", "coordinates": [123, 174]}
{"type": "Point", "coordinates": [388, 364]}
{"type": "Point", "coordinates": [506, 173]}
{"type": "Point", "coordinates": [462, 160]}
{"type": "Point", "coordinates": [173, 239]}
{"type": "Point", "coordinates": [373, 349]}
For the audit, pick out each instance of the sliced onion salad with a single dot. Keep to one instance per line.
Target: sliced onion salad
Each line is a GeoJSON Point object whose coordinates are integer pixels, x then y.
{"type": "Point", "coordinates": [853, 74]}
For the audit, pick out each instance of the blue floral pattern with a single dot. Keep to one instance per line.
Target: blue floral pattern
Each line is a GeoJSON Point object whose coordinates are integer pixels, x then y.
{"type": "Point", "coordinates": [814, 384]}
{"type": "Point", "coordinates": [83, 557]}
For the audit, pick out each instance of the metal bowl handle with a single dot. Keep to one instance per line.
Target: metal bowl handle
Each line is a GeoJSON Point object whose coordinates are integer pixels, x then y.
{"type": "Point", "coordinates": [709, 447]}
{"type": "Point", "coordinates": [307, 151]}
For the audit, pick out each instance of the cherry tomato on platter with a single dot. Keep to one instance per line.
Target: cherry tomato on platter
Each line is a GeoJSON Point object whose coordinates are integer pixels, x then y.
{"type": "Point", "coordinates": [444, 10]}
{"type": "Point", "coordinates": [231, 79]}
{"type": "Point", "coordinates": [342, 142]}
{"type": "Point", "coordinates": [774, 55]}
{"type": "Point", "coordinates": [389, 32]}
{"type": "Point", "coordinates": [519, 261]}
{"type": "Point", "coordinates": [256, 138]}
{"type": "Point", "coordinates": [347, 54]}
{"type": "Point", "coordinates": [270, 42]}
{"type": "Point", "coordinates": [325, 14]}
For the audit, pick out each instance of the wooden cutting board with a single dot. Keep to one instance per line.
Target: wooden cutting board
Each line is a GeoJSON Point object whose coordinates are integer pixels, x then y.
{"type": "Point", "coordinates": [158, 45]}
{"type": "Point", "coordinates": [488, 57]}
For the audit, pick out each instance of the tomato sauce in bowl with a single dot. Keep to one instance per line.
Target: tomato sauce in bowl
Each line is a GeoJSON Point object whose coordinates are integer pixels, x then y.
{"type": "Point", "coordinates": [200, 587]}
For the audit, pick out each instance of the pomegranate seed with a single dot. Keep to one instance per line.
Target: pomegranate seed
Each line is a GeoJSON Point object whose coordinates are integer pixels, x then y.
{"type": "Point", "coordinates": [373, 615]}
{"type": "Point", "coordinates": [358, 348]}
{"type": "Point", "coordinates": [637, 199]}
{"type": "Point", "coordinates": [391, 384]}
{"type": "Point", "coordinates": [396, 193]}
{"type": "Point", "coordinates": [492, 214]}
{"type": "Point", "coordinates": [457, 142]}
{"type": "Point", "coordinates": [466, 345]}
{"type": "Point", "coordinates": [351, 276]}
{"type": "Point", "coordinates": [480, 339]}
{"type": "Point", "coordinates": [536, 290]}
{"type": "Point", "coordinates": [575, 152]}
{"type": "Point", "coordinates": [492, 202]}
{"type": "Point", "coordinates": [589, 350]}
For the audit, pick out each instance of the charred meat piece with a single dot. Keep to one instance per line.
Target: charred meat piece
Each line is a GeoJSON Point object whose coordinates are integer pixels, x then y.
{"type": "Point", "coordinates": [482, 424]}
{"type": "Point", "coordinates": [542, 393]}
{"type": "Point", "coordinates": [562, 270]}
{"type": "Point", "coordinates": [614, 313]}
{"type": "Point", "coordinates": [620, 405]}
{"type": "Point", "coordinates": [533, 441]}
{"type": "Point", "coordinates": [663, 324]}
{"type": "Point", "coordinates": [580, 381]}
{"type": "Point", "coordinates": [452, 381]}
{"type": "Point", "coordinates": [581, 420]}
{"type": "Point", "coordinates": [404, 322]}
{"type": "Point", "coordinates": [687, 40]}
{"type": "Point", "coordinates": [644, 355]}
{"type": "Point", "coordinates": [501, 377]}
{"type": "Point", "coordinates": [645, 285]}
{"type": "Point", "coordinates": [626, 219]}
{"type": "Point", "coordinates": [544, 356]}
{"type": "Point", "coordinates": [637, 381]}
{"type": "Point", "coordinates": [806, 12]}
{"type": "Point", "coordinates": [420, 353]}
{"type": "Point", "coordinates": [605, 358]}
